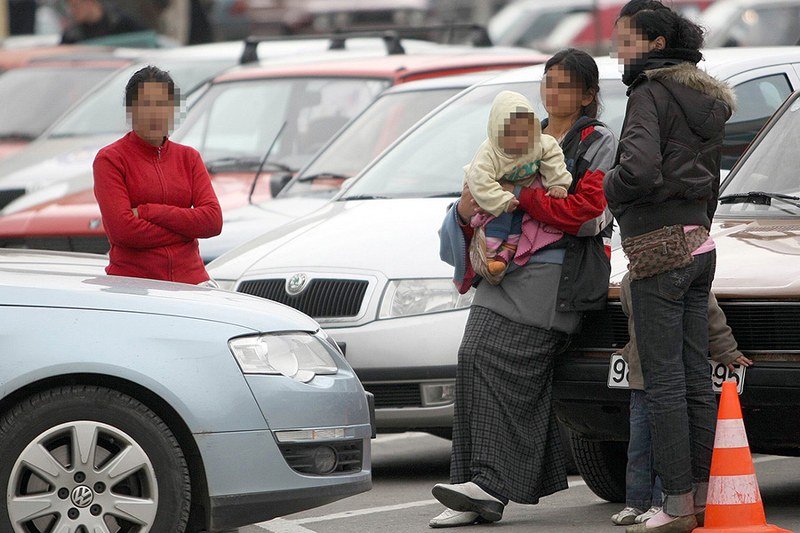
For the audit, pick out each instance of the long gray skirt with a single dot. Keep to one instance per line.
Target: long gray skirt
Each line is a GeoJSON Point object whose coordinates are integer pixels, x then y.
{"type": "Point", "coordinates": [505, 434]}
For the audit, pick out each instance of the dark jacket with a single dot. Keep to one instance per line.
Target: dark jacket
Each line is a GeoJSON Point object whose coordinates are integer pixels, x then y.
{"type": "Point", "coordinates": [667, 168]}
{"type": "Point", "coordinates": [114, 22]}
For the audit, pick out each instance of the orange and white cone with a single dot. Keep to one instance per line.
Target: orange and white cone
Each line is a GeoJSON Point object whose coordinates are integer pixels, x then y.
{"type": "Point", "coordinates": [734, 502]}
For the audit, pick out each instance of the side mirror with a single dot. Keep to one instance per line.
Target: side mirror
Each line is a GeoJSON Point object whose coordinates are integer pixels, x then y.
{"type": "Point", "coordinates": [277, 182]}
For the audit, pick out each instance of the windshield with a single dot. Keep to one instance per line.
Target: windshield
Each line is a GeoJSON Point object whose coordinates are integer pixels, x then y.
{"type": "Point", "coordinates": [103, 112]}
{"type": "Point", "coordinates": [238, 121]}
{"type": "Point", "coordinates": [430, 160]}
{"type": "Point", "coordinates": [366, 137]}
{"type": "Point", "coordinates": [771, 168]}
{"type": "Point", "coordinates": [33, 98]}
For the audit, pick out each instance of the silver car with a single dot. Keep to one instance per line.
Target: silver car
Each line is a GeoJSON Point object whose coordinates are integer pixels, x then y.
{"type": "Point", "coordinates": [130, 405]}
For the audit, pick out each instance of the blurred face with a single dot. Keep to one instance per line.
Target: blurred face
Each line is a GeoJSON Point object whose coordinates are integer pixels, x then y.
{"type": "Point", "coordinates": [563, 94]}
{"type": "Point", "coordinates": [153, 112]}
{"type": "Point", "coordinates": [631, 45]}
{"type": "Point", "coordinates": [517, 137]}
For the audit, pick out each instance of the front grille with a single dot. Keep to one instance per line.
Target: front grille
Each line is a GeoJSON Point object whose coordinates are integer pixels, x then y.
{"type": "Point", "coordinates": [300, 456]}
{"type": "Point", "coordinates": [322, 298]}
{"type": "Point", "coordinates": [757, 327]}
{"type": "Point", "coordinates": [91, 245]}
{"type": "Point", "coordinates": [393, 395]}
{"type": "Point", "coordinates": [9, 195]}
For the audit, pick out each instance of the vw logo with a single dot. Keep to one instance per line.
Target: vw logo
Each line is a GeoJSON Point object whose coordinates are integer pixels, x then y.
{"type": "Point", "coordinates": [82, 496]}
{"type": "Point", "coordinates": [296, 284]}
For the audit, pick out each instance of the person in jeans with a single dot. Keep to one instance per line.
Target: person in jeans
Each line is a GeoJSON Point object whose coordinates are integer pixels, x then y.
{"type": "Point", "coordinates": [665, 185]}
{"type": "Point", "coordinates": [642, 486]}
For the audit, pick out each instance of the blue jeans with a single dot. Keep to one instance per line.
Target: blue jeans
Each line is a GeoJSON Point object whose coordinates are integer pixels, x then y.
{"type": "Point", "coordinates": [642, 486]}
{"type": "Point", "coordinates": [504, 225]}
{"type": "Point", "coordinates": [670, 313]}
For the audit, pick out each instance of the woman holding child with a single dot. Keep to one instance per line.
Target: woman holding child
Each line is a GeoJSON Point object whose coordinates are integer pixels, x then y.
{"type": "Point", "coordinates": [555, 265]}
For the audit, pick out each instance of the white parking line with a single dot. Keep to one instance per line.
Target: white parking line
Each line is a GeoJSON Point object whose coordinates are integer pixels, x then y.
{"type": "Point", "coordinates": [391, 437]}
{"type": "Point", "coordinates": [279, 525]}
{"type": "Point", "coordinates": [769, 459]}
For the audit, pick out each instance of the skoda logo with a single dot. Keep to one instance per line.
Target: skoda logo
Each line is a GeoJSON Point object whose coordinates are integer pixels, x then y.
{"type": "Point", "coordinates": [296, 284]}
{"type": "Point", "coordinates": [94, 223]}
{"type": "Point", "coordinates": [82, 496]}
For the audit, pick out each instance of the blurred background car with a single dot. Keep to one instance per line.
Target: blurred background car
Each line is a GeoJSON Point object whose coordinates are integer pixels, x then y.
{"type": "Point", "coordinates": [753, 23]}
{"type": "Point", "coordinates": [145, 416]}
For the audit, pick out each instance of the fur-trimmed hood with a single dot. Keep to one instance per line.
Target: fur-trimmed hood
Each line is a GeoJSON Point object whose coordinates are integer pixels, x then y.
{"type": "Point", "coordinates": [706, 101]}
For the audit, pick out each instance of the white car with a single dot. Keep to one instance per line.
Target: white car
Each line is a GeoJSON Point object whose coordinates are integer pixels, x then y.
{"type": "Point", "coordinates": [367, 267]}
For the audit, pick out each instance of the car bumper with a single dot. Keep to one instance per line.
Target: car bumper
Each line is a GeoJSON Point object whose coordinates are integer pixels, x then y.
{"type": "Point", "coordinates": [769, 403]}
{"type": "Point", "coordinates": [250, 481]}
{"type": "Point", "coordinates": [423, 352]}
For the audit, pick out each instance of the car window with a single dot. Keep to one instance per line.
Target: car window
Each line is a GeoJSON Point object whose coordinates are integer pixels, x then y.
{"type": "Point", "coordinates": [103, 111]}
{"type": "Point", "coordinates": [429, 161]}
{"type": "Point", "coordinates": [33, 98]}
{"type": "Point", "coordinates": [770, 168]}
{"type": "Point", "coordinates": [241, 119]}
{"type": "Point", "coordinates": [757, 100]}
{"type": "Point", "coordinates": [365, 138]}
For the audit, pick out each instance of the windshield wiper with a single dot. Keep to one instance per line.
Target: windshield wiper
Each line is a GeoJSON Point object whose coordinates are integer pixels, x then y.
{"type": "Point", "coordinates": [17, 135]}
{"type": "Point", "coordinates": [364, 197]}
{"type": "Point", "coordinates": [444, 195]}
{"type": "Point", "coordinates": [759, 198]}
{"type": "Point", "coordinates": [323, 175]}
{"type": "Point", "coordinates": [245, 162]}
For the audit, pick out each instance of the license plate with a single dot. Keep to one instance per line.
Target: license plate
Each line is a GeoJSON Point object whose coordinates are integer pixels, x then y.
{"type": "Point", "coordinates": [618, 374]}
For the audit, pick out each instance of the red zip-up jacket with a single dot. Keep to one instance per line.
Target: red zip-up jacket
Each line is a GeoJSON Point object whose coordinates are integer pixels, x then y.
{"type": "Point", "coordinates": [171, 189]}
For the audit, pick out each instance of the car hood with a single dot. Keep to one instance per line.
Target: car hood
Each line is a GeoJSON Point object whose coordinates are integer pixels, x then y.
{"type": "Point", "coordinates": [64, 286]}
{"type": "Point", "coordinates": [395, 237]}
{"type": "Point", "coordinates": [755, 259]}
{"type": "Point", "coordinates": [246, 223]}
{"type": "Point", "coordinates": [49, 160]}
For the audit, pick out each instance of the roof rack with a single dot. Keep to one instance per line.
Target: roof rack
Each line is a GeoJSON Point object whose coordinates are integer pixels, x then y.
{"type": "Point", "coordinates": [479, 35]}
{"type": "Point", "coordinates": [391, 40]}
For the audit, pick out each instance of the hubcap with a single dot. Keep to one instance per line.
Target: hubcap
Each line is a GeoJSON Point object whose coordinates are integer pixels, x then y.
{"type": "Point", "coordinates": [96, 454]}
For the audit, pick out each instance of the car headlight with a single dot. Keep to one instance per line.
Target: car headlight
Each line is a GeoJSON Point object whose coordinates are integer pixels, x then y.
{"type": "Point", "coordinates": [408, 297]}
{"type": "Point", "coordinates": [226, 284]}
{"type": "Point", "coordinates": [299, 356]}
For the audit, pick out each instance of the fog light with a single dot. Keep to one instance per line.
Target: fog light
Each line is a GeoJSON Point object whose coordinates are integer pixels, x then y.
{"type": "Point", "coordinates": [434, 394]}
{"type": "Point", "coordinates": [324, 460]}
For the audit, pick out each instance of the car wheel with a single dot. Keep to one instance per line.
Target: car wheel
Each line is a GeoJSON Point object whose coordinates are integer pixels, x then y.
{"type": "Point", "coordinates": [602, 465]}
{"type": "Point", "coordinates": [90, 459]}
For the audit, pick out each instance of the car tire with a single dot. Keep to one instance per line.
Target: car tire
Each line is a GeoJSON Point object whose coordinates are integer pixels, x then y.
{"type": "Point", "coordinates": [91, 453]}
{"type": "Point", "coordinates": [442, 433]}
{"type": "Point", "coordinates": [602, 465]}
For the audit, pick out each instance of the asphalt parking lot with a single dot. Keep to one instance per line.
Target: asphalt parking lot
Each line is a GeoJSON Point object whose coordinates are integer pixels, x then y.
{"type": "Point", "coordinates": [406, 466]}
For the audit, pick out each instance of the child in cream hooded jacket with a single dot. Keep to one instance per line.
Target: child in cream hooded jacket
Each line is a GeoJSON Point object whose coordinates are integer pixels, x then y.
{"type": "Point", "coordinates": [516, 151]}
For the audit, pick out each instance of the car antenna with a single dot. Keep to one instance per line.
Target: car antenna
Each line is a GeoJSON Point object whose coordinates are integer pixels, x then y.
{"type": "Point", "coordinates": [264, 162]}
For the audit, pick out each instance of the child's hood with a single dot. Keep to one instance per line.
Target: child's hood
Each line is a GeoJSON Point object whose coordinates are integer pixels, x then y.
{"type": "Point", "coordinates": [506, 103]}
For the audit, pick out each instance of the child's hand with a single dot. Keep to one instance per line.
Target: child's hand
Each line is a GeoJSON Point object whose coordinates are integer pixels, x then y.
{"type": "Point", "coordinates": [512, 206]}
{"type": "Point", "coordinates": [741, 360]}
{"type": "Point", "coordinates": [557, 192]}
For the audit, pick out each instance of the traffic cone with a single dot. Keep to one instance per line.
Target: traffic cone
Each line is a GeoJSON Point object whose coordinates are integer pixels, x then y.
{"type": "Point", "coordinates": [734, 502]}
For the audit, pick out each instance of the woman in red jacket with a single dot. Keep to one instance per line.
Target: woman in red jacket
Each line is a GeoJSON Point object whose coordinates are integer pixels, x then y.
{"type": "Point", "coordinates": [155, 195]}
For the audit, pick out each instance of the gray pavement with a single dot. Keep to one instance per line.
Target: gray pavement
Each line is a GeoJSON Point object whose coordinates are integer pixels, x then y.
{"type": "Point", "coordinates": [406, 466]}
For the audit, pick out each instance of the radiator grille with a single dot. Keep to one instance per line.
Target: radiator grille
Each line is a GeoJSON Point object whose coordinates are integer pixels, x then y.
{"type": "Point", "coordinates": [322, 298]}
{"type": "Point", "coordinates": [393, 395]}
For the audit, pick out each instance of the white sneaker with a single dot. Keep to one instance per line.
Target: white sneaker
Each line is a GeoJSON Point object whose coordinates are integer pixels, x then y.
{"type": "Point", "coordinates": [647, 515]}
{"type": "Point", "coordinates": [451, 518]}
{"type": "Point", "coordinates": [469, 497]}
{"type": "Point", "coordinates": [626, 517]}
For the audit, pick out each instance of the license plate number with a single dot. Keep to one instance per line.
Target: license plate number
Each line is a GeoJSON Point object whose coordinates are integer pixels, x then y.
{"type": "Point", "coordinates": [618, 374]}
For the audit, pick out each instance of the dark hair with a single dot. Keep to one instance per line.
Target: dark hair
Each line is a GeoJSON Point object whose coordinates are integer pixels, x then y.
{"type": "Point", "coordinates": [582, 67]}
{"type": "Point", "coordinates": [147, 74]}
{"type": "Point", "coordinates": [653, 19]}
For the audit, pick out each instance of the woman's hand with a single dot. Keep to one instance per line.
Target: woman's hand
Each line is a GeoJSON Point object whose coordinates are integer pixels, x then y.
{"type": "Point", "coordinates": [135, 212]}
{"type": "Point", "coordinates": [741, 360]}
{"type": "Point", "coordinates": [467, 206]}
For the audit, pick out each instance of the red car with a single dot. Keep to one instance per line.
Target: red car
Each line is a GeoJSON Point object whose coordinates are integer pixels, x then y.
{"type": "Point", "coordinates": [276, 117]}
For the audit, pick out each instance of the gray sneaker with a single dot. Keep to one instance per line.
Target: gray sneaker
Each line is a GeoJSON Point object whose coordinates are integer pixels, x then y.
{"type": "Point", "coordinates": [647, 515]}
{"type": "Point", "coordinates": [451, 518]}
{"type": "Point", "coordinates": [626, 517]}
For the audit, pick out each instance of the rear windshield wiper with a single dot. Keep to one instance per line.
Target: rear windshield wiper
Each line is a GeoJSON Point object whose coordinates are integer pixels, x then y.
{"type": "Point", "coordinates": [323, 175]}
{"type": "Point", "coordinates": [759, 198]}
